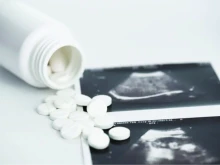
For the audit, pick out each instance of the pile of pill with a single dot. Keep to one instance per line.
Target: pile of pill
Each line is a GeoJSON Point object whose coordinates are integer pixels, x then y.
{"type": "Point", "coordinates": [65, 109]}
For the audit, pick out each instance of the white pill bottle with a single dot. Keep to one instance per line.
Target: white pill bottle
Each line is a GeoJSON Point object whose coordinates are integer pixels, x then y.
{"type": "Point", "coordinates": [28, 40]}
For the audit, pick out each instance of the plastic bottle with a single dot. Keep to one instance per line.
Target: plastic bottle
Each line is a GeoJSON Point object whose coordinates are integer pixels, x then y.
{"type": "Point", "coordinates": [28, 40]}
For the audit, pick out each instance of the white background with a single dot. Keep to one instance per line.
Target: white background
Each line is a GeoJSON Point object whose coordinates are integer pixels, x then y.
{"type": "Point", "coordinates": [111, 32]}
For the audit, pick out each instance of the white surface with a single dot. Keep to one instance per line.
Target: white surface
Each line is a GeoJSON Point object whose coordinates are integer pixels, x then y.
{"type": "Point", "coordinates": [26, 137]}
{"type": "Point", "coordinates": [111, 33]}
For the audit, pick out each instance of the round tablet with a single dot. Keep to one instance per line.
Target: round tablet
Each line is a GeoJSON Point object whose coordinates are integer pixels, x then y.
{"type": "Point", "coordinates": [98, 141]}
{"type": "Point", "coordinates": [66, 92]}
{"type": "Point", "coordinates": [72, 108]}
{"type": "Point", "coordinates": [78, 116]}
{"type": "Point", "coordinates": [105, 98]}
{"type": "Point", "coordinates": [50, 98]}
{"type": "Point", "coordinates": [104, 122]}
{"type": "Point", "coordinates": [71, 131]}
{"type": "Point", "coordinates": [119, 133]}
{"type": "Point", "coordinates": [45, 108]}
{"type": "Point", "coordinates": [86, 123]}
{"type": "Point", "coordinates": [89, 130]}
{"type": "Point", "coordinates": [64, 102]}
{"type": "Point", "coordinates": [59, 123]}
{"type": "Point", "coordinates": [82, 100]}
{"type": "Point", "coordinates": [59, 114]}
{"type": "Point", "coordinates": [96, 108]}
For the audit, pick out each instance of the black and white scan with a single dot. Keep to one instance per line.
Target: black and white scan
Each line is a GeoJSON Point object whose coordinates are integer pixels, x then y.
{"type": "Point", "coordinates": [182, 141]}
{"type": "Point", "coordinates": [179, 141]}
{"type": "Point", "coordinates": [157, 86]}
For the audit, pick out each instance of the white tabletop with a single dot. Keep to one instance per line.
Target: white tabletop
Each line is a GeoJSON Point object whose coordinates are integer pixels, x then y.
{"type": "Point", "coordinates": [112, 33]}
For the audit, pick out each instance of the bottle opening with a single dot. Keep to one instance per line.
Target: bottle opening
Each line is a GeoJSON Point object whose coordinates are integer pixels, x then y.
{"type": "Point", "coordinates": [64, 67]}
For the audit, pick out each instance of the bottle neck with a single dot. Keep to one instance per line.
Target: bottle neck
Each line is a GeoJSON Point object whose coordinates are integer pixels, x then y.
{"type": "Point", "coordinates": [42, 53]}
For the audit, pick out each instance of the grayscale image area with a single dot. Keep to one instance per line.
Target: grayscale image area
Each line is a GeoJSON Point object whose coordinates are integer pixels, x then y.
{"type": "Point", "coordinates": [154, 86]}
{"type": "Point", "coordinates": [146, 85]}
{"type": "Point", "coordinates": [183, 141]}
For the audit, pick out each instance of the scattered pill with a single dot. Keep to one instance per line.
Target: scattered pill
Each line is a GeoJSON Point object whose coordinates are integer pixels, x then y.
{"type": "Point", "coordinates": [86, 123]}
{"type": "Point", "coordinates": [78, 116]}
{"type": "Point", "coordinates": [89, 130]}
{"type": "Point", "coordinates": [59, 123]}
{"type": "Point", "coordinates": [50, 98]}
{"type": "Point", "coordinates": [105, 98]}
{"type": "Point", "coordinates": [96, 108]}
{"type": "Point", "coordinates": [64, 102]}
{"type": "Point", "coordinates": [98, 141]}
{"type": "Point", "coordinates": [66, 92]}
{"type": "Point", "coordinates": [45, 108]}
{"type": "Point", "coordinates": [59, 114]}
{"type": "Point", "coordinates": [82, 100]}
{"type": "Point", "coordinates": [119, 133]}
{"type": "Point", "coordinates": [71, 131]}
{"type": "Point", "coordinates": [58, 62]}
{"type": "Point", "coordinates": [72, 121]}
{"type": "Point", "coordinates": [72, 108]}
{"type": "Point", "coordinates": [104, 122]}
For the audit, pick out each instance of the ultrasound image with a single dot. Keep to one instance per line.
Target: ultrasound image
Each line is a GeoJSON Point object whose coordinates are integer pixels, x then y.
{"type": "Point", "coordinates": [146, 85]}
{"type": "Point", "coordinates": [155, 86]}
{"type": "Point", "coordinates": [183, 141]}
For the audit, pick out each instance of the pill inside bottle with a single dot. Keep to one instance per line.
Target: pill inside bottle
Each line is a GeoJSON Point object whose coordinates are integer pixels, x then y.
{"type": "Point", "coordinates": [62, 64]}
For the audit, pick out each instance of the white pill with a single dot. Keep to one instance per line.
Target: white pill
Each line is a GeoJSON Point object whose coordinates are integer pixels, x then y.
{"type": "Point", "coordinates": [119, 133]}
{"type": "Point", "coordinates": [78, 116]}
{"type": "Point", "coordinates": [50, 98]}
{"type": "Point", "coordinates": [64, 102]}
{"type": "Point", "coordinates": [59, 114]}
{"type": "Point", "coordinates": [98, 141]}
{"type": "Point", "coordinates": [72, 108]}
{"type": "Point", "coordinates": [105, 98]}
{"type": "Point", "coordinates": [45, 108]}
{"type": "Point", "coordinates": [59, 123]}
{"type": "Point", "coordinates": [82, 100]}
{"type": "Point", "coordinates": [71, 131]}
{"type": "Point", "coordinates": [49, 71]}
{"type": "Point", "coordinates": [58, 62]}
{"type": "Point", "coordinates": [96, 108]}
{"type": "Point", "coordinates": [89, 130]}
{"type": "Point", "coordinates": [86, 123]}
{"type": "Point", "coordinates": [104, 122]}
{"type": "Point", "coordinates": [66, 92]}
